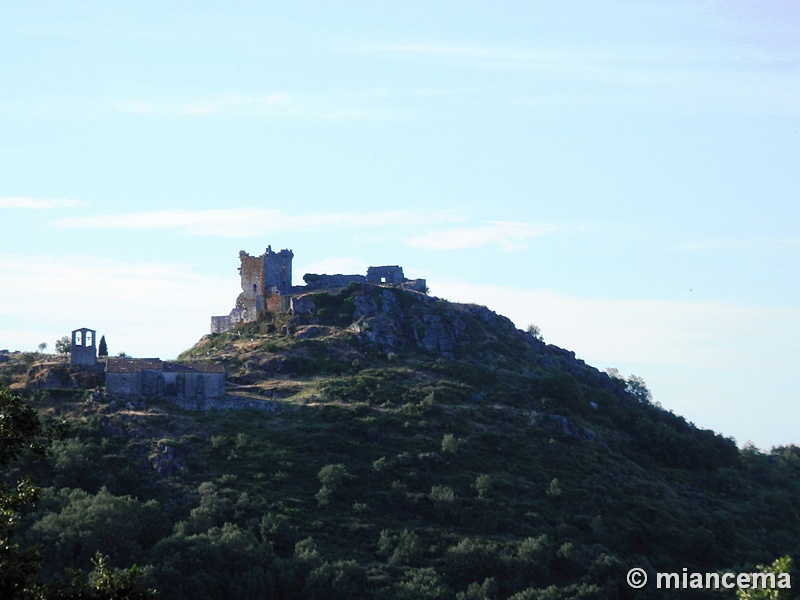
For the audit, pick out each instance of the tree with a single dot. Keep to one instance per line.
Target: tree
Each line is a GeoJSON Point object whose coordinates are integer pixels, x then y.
{"type": "Point", "coordinates": [109, 583]}
{"type": "Point", "coordinates": [20, 432]}
{"type": "Point", "coordinates": [450, 443]}
{"type": "Point", "coordinates": [404, 548]}
{"type": "Point", "coordinates": [637, 388]}
{"type": "Point", "coordinates": [117, 526]}
{"type": "Point", "coordinates": [534, 331]}
{"type": "Point", "coordinates": [331, 477]}
{"type": "Point", "coordinates": [484, 484]}
{"type": "Point", "coordinates": [102, 348]}
{"type": "Point", "coordinates": [778, 578]}
{"type": "Point", "coordinates": [42, 347]}
{"type": "Point", "coordinates": [64, 345]}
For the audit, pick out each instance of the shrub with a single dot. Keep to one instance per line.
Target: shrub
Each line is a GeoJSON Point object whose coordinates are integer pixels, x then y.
{"type": "Point", "coordinates": [450, 443]}
{"type": "Point", "coordinates": [404, 548]}
{"type": "Point", "coordinates": [484, 485]}
{"type": "Point", "coordinates": [554, 489]}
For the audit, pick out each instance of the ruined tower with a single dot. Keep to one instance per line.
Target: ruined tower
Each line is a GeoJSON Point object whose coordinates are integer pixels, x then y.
{"type": "Point", "coordinates": [266, 283]}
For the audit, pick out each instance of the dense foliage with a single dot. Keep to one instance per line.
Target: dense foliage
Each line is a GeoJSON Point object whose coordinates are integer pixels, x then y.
{"type": "Point", "coordinates": [401, 475]}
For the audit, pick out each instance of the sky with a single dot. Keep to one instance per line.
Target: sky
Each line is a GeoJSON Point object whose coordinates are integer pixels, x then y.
{"type": "Point", "coordinates": [623, 174]}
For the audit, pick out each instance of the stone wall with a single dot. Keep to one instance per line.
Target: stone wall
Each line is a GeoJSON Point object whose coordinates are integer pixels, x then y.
{"type": "Point", "coordinates": [416, 285]}
{"type": "Point", "coordinates": [124, 384]}
{"type": "Point", "coordinates": [277, 303]}
{"type": "Point", "coordinates": [193, 385]}
{"type": "Point", "coordinates": [220, 324]}
{"type": "Point", "coordinates": [302, 305]}
{"type": "Point", "coordinates": [390, 274]}
{"type": "Point", "coordinates": [154, 378]}
{"type": "Point", "coordinates": [325, 282]}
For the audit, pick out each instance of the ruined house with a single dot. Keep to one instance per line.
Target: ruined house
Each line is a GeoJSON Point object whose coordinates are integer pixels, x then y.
{"type": "Point", "coordinates": [156, 378]}
{"type": "Point", "coordinates": [267, 286]}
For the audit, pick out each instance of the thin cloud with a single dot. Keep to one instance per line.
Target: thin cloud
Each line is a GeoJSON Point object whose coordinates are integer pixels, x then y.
{"type": "Point", "coordinates": [246, 222]}
{"type": "Point", "coordinates": [642, 58]}
{"type": "Point", "coordinates": [27, 203]}
{"type": "Point", "coordinates": [508, 235]}
{"type": "Point", "coordinates": [754, 81]}
{"type": "Point", "coordinates": [745, 244]}
{"type": "Point", "coordinates": [229, 104]}
{"type": "Point", "coordinates": [151, 308]}
{"type": "Point", "coordinates": [330, 106]}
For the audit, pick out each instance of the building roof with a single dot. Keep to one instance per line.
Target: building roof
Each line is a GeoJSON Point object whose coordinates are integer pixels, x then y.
{"type": "Point", "coordinates": [132, 365]}
{"type": "Point", "coordinates": [137, 365]}
{"type": "Point", "coordinates": [194, 367]}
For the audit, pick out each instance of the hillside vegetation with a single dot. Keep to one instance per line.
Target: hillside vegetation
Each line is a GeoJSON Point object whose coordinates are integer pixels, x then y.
{"type": "Point", "coordinates": [408, 448]}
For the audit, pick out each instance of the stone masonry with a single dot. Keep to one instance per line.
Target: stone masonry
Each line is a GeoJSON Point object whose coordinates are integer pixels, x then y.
{"type": "Point", "coordinates": [84, 349]}
{"type": "Point", "coordinates": [152, 377]}
{"type": "Point", "coordinates": [266, 284]}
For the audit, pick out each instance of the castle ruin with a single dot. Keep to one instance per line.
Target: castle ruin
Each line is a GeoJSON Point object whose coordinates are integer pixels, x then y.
{"type": "Point", "coordinates": [267, 286]}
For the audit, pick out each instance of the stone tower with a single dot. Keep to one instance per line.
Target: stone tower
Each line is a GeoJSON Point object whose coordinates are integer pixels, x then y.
{"type": "Point", "coordinates": [84, 349]}
{"type": "Point", "coordinates": [266, 285]}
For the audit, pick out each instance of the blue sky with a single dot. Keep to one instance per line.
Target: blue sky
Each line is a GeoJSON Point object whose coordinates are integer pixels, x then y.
{"type": "Point", "coordinates": [622, 174]}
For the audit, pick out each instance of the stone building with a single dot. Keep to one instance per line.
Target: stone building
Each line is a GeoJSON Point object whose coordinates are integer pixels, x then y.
{"type": "Point", "coordinates": [156, 378]}
{"type": "Point", "coordinates": [83, 351]}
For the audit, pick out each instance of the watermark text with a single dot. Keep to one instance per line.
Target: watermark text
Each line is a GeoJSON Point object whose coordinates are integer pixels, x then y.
{"type": "Point", "coordinates": [686, 580]}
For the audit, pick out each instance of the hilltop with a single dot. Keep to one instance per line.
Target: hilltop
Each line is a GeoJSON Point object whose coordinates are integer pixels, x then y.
{"type": "Point", "coordinates": [407, 447]}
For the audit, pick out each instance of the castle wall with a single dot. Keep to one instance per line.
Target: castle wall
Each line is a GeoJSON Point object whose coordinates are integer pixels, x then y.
{"type": "Point", "coordinates": [391, 274]}
{"type": "Point", "coordinates": [302, 305]}
{"type": "Point", "coordinates": [220, 324]}
{"type": "Point", "coordinates": [416, 285]}
{"type": "Point", "coordinates": [324, 282]}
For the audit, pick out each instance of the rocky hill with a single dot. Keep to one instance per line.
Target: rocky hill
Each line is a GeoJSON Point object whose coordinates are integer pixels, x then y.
{"type": "Point", "coordinates": [409, 448]}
